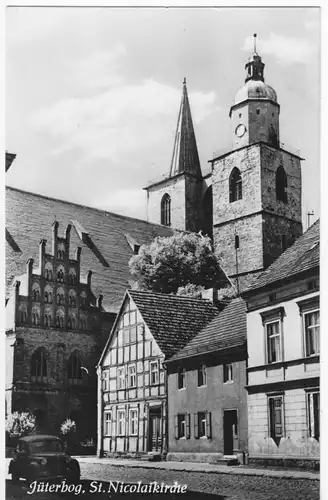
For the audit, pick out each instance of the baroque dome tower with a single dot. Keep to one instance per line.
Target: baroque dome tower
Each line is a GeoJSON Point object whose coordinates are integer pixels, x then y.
{"type": "Point", "coordinates": [255, 112]}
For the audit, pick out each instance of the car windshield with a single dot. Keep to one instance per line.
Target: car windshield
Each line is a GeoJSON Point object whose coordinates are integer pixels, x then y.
{"type": "Point", "coordinates": [46, 446]}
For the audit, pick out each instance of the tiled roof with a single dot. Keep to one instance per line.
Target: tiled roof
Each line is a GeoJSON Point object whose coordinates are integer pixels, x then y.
{"type": "Point", "coordinates": [101, 234]}
{"type": "Point", "coordinates": [302, 256]}
{"type": "Point", "coordinates": [171, 319]}
{"type": "Point", "coordinates": [225, 331]}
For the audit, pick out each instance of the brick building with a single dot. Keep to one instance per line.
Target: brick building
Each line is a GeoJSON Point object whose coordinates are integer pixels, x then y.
{"type": "Point", "coordinates": [207, 399]}
{"type": "Point", "coordinates": [283, 338]}
{"type": "Point", "coordinates": [132, 383]}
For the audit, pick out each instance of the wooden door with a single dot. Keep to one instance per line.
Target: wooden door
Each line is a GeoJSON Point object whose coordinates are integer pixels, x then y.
{"type": "Point", "coordinates": [155, 432]}
{"type": "Point", "coordinates": [229, 428]}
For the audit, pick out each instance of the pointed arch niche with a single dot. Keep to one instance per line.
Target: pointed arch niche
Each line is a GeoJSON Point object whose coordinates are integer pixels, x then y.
{"type": "Point", "coordinates": [166, 210]}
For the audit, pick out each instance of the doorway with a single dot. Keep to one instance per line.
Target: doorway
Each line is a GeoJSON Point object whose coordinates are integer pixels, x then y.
{"type": "Point", "coordinates": [229, 430]}
{"type": "Point", "coordinates": [155, 431]}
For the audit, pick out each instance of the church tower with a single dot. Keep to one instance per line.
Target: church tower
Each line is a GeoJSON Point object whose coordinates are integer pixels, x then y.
{"type": "Point", "coordinates": [175, 200]}
{"type": "Point", "coordinates": [257, 184]}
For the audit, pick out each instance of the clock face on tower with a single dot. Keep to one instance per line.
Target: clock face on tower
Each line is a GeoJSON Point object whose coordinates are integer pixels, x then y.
{"type": "Point", "coordinates": [240, 130]}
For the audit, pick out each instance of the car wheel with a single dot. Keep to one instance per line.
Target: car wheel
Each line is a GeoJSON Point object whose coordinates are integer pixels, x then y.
{"type": "Point", "coordinates": [73, 476]}
{"type": "Point", "coordinates": [14, 477]}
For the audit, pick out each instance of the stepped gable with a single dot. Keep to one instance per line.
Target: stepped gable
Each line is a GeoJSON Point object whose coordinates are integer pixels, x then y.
{"type": "Point", "coordinates": [108, 240]}
{"type": "Point", "coordinates": [173, 320]}
{"type": "Point", "coordinates": [226, 331]}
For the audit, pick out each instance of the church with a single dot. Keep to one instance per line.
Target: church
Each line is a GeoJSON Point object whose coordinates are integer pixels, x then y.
{"type": "Point", "coordinates": [62, 298]}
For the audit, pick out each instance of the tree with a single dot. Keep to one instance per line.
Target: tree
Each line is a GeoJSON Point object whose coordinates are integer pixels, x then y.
{"type": "Point", "coordinates": [179, 260]}
{"type": "Point", "coordinates": [20, 424]}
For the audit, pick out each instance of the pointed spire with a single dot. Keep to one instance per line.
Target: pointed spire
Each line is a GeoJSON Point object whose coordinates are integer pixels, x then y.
{"type": "Point", "coordinates": [185, 154]}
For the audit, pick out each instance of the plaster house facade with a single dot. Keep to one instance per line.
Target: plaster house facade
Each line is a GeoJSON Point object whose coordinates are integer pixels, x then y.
{"type": "Point", "coordinates": [283, 338]}
{"type": "Point", "coordinates": [132, 382]}
{"type": "Point", "coordinates": [207, 399]}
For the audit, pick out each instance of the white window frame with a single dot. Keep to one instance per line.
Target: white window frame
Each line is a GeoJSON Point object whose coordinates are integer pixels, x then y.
{"type": "Point", "coordinates": [184, 425]}
{"type": "Point", "coordinates": [310, 413]}
{"type": "Point", "coordinates": [108, 422]}
{"type": "Point", "coordinates": [229, 367]}
{"type": "Point", "coordinates": [154, 372]}
{"type": "Point", "coordinates": [317, 340]}
{"type": "Point", "coordinates": [268, 343]}
{"type": "Point", "coordinates": [120, 378]}
{"type": "Point", "coordinates": [202, 369]}
{"type": "Point", "coordinates": [121, 422]}
{"type": "Point", "coordinates": [200, 421]}
{"type": "Point", "coordinates": [184, 384]}
{"type": "Point", "coordinates": [106, 380]}
{"type": "Point", "coordinates": [134, 375]}
{"type": "Point", "coordinates": [133, 421]}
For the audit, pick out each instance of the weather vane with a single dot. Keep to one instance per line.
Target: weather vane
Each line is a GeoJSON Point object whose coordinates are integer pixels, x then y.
{"type": "Point", "coordinates": [255, 35]}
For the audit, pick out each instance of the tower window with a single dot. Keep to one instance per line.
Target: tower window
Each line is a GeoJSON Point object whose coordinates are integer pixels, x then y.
{"type": "Point", "coordinates": [240, 115]}
{"type": "Point", "coordinates": [236, 241]}
{"type": "Point", "coordinates": [257, 111]}
{"type": "Point", "coordinates": [281, 184]}
{"type": "Point", "coordinates": [166, 210]}
{"type": "Point", "coordinates": [235, 186]}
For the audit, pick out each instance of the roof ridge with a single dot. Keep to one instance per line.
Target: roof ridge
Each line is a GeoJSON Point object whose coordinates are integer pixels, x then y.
{"type": "Point", "coordinates": [100, 210]}
{"type": "Point", "coordinates": [172, 295]}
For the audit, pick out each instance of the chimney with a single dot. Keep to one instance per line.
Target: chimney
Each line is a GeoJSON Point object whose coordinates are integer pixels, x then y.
{"type": "Point", "coordinates": [89, 275]}
{"type": "Point", "coordinates": [210, 294]}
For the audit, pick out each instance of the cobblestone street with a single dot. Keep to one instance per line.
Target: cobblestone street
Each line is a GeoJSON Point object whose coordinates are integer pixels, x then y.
{"type": "Point", "coordinates": [96, 480]}
{"type": "Point", "coordinates": [225, 486]}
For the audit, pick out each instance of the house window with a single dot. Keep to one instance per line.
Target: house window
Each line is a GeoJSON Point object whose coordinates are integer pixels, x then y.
{"type": "Point", "coordinates": [39, 363]}
{"type": "Point", "coordinates": [166, 210]}
{"type": "Point", "coordinates": [281, 184]}
{"type": "Point", "coordinates": [235, 186]}
{"type": "Point", "coordinates": [120, 378]}
{"type": "Point", "coordinates": [228, 373]}
{"type": "Point", "coordinates": [181, 378]}
{"type": "Point", "coordinates": [312, 332]}
{"type": "Point", "coordinates": [106, 380]}
{"type": "Point", "coordinates": [132, 375]}
{"type": "Point", "coordinates": [108, 423]}
{"type": "Point", "coordinates": [201, 417]}
{"type": "Point", "coordinates": [154, 373]}
{"type": "Point", "coordinates": [133, 422]}
{"type": "Point", "coordinates": [201, 375]}
{"type": "Point", "coordinates": [121, 422]}
{"type": "Point", "coordinates": [182, 426]}
{"type": "Point", "coordinates": [313, 405]}
{"type": "Point", "coordinates": [276, 418]}
{"type": "Point", "coordinates": [273, 335]}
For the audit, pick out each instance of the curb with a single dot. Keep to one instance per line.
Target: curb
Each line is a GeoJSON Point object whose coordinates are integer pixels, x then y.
{"type": "Point", "coordinates": [199, 469]}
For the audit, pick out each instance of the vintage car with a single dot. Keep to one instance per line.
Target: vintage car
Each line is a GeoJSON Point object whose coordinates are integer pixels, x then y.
{"type": "Point", "coordinates": [43, 457]}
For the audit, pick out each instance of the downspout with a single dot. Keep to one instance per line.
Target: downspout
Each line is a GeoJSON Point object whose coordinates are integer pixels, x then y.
{"type": "Point", "coordinates": [100, 413]}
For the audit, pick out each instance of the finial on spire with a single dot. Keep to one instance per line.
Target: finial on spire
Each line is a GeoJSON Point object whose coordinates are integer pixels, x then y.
{"type": "Point", "coordinates": [184, 81]}
{"type": "Point", "coordinates": [255, 35]}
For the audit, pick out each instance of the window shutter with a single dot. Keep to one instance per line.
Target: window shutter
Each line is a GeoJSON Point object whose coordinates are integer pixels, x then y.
{"type": "Point", "coordinates": [176, 427]}
{"type": "Point", "coordinates": [196, 433]}
{"type": "Point", "coordinates": [208, 425]}
{"type": "Point", "coordinates": [188, 426]}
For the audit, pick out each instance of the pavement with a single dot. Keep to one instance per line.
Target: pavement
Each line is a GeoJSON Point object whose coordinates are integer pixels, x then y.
{"type": "Point", "coordinates": [201, 467]}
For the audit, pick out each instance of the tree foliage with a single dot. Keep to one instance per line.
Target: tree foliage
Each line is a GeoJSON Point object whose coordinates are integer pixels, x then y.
{"type": "Point", "coordinates": [68, 427]}
{"type": "Point", "coordinates": [179, 260]}
{"type": "Point", "coordinates": [20, 424]}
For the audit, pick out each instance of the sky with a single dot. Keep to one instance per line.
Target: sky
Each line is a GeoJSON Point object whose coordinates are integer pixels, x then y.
{"type": "Point", "coordinates": [93, 95]}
